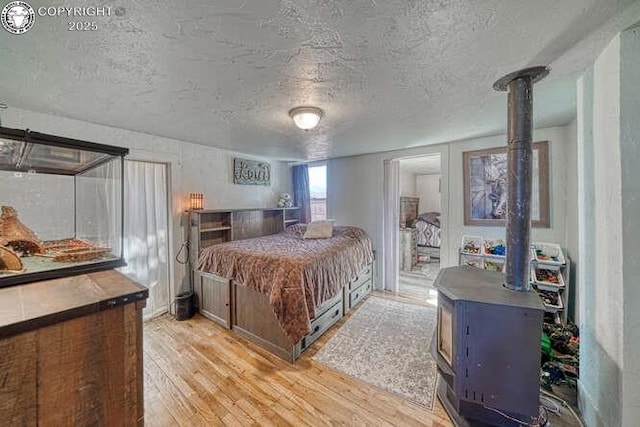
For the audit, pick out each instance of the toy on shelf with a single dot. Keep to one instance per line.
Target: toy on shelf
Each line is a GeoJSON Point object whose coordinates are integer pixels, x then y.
{"type": "Point", "coordinates": [495, 247]}
{"type": "Point", "coordinates": [472, 261]}
{"type": "Point", "coordinates": [547, 279]}
{"type": "Point", "coordinates": [548, 254]}
{"type": "Point", "coordinates": [472, 245]}
{"type": "Point", "coordinates": [552, 301]}
{"type": "Point", "coordinates": [493, 265]}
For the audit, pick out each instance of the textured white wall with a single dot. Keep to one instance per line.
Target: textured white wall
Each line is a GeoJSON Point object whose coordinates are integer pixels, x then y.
{"type": "Point", "coordinates": [571, 197]}
{"type": "Point", "coordinates": [428, 189]}
{"type": "Point", "coordinates": [608, 221]}
{"type": "Point", "coordinates": [193, 168]}
{"type": "Point", "coordinates": [407, 183]}
{"type": "Point", "coordinates": [609, 207]}
{"type": "Point", "coordinates": [630, 182]}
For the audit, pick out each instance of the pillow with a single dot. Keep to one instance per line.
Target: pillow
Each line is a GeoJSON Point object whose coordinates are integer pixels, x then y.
{"type": "Point", "coordinates": [319, 230]}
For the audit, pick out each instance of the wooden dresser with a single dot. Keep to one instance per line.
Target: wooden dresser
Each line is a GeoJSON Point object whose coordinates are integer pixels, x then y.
{"type": "Point", "coordinates": [71, 352]}
{"type": "Point", "coordinates": [408, 248]}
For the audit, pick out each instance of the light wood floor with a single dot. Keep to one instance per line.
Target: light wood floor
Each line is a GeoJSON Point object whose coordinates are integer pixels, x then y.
{"type": "Point", "coordinates": [200, 374]}
{"type": "Point", "coordinates": [412, 285]}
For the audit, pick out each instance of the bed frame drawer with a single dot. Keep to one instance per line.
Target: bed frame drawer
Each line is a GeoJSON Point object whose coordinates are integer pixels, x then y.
{"type": "Point", "coordinates": [320, 324]}
{"type": "Point", "coordinates": [325, 306]}
{"type": "Point", "coordinates": [364, 275]}
{"type": "Point", "coordinates": [356, 295]}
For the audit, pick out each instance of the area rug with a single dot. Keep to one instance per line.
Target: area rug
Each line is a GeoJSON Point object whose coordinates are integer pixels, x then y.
{"type": "Point", "coordinates": [385, 343]}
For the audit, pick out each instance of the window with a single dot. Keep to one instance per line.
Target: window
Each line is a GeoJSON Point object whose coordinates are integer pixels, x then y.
{"type": "Point", "coordinates": [318, 191]}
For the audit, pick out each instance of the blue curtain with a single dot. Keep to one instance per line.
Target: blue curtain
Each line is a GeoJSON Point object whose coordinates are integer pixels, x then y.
{"type": "Point", "coordinates": [301, 197]}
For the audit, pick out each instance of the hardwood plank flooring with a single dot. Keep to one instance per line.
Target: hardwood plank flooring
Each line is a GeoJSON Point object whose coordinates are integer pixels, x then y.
{"type": "Point", "coordinates": [417, 287]}
{"type": "Point", "coordinates": [200, 374]}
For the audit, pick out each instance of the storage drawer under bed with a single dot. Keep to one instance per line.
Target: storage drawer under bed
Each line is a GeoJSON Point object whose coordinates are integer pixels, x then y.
{"type": "Point", "coordinates": [321, 323]}
{"type": "Point", "coordinates": [362, 277]}
{"type": "Point", "coordinates": [358, 288]}
{"type": "Point", "coordinates": [357, 295]}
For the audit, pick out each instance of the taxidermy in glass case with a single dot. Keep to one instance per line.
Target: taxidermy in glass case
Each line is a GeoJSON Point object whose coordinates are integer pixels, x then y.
{"type": "Point", "coordinates": [61, 206]}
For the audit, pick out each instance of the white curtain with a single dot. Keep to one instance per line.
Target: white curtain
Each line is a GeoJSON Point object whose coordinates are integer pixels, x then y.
{"type": "Point", "coordinates": [146, 233]}
{"type": "Point", "coordinates": [390, 265]}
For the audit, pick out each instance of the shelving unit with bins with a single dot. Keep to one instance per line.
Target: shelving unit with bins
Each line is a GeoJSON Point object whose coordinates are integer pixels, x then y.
{"type": "Point", "coordinates": [471, 251]}
{"type": "Point", "coordinates": [547, 266]}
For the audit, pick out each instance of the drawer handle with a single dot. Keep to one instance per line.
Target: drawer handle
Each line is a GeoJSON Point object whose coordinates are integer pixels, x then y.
{"type": "Point", "coordinates": [335, 314]}
{"type": "Point", "coordinates": [315, 330]}
{"type": "Point", "coordinates": [356, 297]}
{"type": "Point", "coordinates": [356, 279]}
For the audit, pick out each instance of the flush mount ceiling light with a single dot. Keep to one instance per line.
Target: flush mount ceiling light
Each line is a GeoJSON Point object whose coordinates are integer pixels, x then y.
{"type": "Point", "coordinates": [306, 118]}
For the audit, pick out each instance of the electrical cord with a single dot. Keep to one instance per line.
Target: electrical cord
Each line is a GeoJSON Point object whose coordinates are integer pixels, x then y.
{"type": "Point", "coordinates": [185, 248]}
{"type": "Point", "coordinates": [555, 409]}
{"type": "Point", "coordinates": [565, 404]}
{"type": "Point", "coordinates": [542, 415]}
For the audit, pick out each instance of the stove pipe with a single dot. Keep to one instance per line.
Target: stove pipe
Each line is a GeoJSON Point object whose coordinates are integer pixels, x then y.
{"type": "Point", "coordinates": [519, 166]}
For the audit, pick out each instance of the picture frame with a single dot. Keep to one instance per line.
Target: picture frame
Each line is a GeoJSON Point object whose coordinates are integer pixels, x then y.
{"type": "Point", "coordinates": [485, 188]}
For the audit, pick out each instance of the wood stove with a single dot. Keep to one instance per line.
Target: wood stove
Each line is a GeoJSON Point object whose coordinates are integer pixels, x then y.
{"type": "Point", "coordinates": [487, 348]}
{"type": "Point", "coordinates": [489, 324]}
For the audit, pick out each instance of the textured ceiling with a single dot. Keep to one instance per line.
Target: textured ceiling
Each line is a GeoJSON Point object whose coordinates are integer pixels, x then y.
{"type": "Point", "coordinates": [389, 74]}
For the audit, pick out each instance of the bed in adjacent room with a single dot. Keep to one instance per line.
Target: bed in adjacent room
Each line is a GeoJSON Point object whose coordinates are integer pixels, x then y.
{"type": "Point", "coordinates": [285, 290]}
{"type": "Point", "coordinates": [428, 234]}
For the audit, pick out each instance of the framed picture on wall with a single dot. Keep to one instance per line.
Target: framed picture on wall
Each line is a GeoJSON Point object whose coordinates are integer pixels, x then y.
{"type": "Point", "coordinates": [485, 186]}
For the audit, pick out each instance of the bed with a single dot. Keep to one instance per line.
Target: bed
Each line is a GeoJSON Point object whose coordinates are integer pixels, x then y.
{"type": "Point", "coordinates": [282, 291]}
{"type": "Point", "coordinates": [428, 226]}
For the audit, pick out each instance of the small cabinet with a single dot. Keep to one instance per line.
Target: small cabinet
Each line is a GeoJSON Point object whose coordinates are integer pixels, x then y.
{"type": "Point", "coordinates": [408, 210]}
{"type": "Point", "coordinates": [214, 297]}
{"type": "Point", "coordinates": [408, 248]}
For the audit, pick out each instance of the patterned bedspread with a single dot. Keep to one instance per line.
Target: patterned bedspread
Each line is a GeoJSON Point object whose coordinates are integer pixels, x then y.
{"type": "Point", "coordinates": [296, 274]}
{"type": "Point", "coordinates": [428, 234]}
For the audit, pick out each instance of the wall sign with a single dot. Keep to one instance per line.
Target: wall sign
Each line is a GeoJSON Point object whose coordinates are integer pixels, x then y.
{"type": "Point", "coordinates": [251, 172]}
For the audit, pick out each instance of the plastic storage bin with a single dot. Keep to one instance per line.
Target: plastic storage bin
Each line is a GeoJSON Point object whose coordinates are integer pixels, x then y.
{"type": "Point", "coordinates": [495, 248]}
{"type": "Point", "coordinates": [472, 245]}
{"type": "Point", "coordinates": [547, 279]}
{"type": "Point", "coordinates": [549, 254]}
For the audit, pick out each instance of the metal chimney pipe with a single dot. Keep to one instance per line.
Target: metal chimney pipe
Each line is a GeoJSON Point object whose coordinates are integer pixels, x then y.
{"type": "Point", "coordinates": [519, 166]}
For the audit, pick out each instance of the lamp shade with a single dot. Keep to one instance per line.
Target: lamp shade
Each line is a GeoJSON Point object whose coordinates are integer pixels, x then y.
{"type": "Point", "coordinates": [306, 117]}
{"type": "Point", "coordinates": [196, 201]}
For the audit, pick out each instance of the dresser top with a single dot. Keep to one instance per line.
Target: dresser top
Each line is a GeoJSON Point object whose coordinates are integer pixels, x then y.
{"type": "Point", "coordinates": [34, 305]}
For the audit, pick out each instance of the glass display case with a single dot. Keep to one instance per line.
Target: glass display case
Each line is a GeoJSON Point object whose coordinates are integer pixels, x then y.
{"type": "Point", "coordinates": [61, 206]}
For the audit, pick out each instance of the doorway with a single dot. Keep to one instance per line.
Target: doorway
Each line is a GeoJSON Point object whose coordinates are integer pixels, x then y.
{"type": "Point", "coordinates": [419, 226]}
{"type": "Point", "coordinates": [146, 231]}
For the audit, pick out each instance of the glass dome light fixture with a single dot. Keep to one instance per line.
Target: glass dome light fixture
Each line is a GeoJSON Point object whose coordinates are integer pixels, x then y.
{"type": "Point", "coordinates": [306, 118]}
